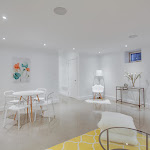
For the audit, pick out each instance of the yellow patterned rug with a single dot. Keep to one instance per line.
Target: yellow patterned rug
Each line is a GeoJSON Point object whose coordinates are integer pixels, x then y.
{"type": "Point", "coordinates": [90, 141]}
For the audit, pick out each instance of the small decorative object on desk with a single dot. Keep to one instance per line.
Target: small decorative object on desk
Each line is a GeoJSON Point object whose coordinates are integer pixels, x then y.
{"type": "Point", "coordinates": [126, 85]}
{"type": "Point", "coordinates": [133, 77]}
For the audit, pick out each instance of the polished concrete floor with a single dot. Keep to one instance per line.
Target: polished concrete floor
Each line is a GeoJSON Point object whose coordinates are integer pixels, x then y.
{"type": "Point", "coordinates": [73, 118]}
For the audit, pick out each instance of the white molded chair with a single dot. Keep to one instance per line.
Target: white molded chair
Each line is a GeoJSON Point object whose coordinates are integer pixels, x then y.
{"type": "Point", "coordinates": [97, 89]}
{"type": "Point", "coordinates": [47, 102]}
{"type": "Point", "coordinates": [10, 99]}
{"type": "Point", "coordinates": [42, 97]}
{"type": "Point", "coordinates": [13, 106]}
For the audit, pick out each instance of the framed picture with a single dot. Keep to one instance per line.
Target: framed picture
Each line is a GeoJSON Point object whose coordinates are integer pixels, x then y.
{"type": "Point", "coordinates": [21, 69]}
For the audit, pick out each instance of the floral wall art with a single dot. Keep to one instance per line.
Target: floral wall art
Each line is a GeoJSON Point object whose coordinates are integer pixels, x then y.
{"type": "Point", "coordinates": [21, 69]}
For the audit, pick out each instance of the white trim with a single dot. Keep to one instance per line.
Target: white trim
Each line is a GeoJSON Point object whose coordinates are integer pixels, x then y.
{"type": "Point", "coordinates": [63, 93]}
{"type": "Point", "coordinates": [85, 97]}
{"type": "Point", "coordinates": [110, 97]}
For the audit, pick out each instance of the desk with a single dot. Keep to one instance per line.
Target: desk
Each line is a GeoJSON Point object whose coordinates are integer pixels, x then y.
{"type": "Point", "coordinates": [122, 88]}
{"type": "Point", "coordinates": [29, 94]}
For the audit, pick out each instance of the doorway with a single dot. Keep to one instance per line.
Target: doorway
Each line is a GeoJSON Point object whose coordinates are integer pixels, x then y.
{"type": "Point", "coordinates": [72, 78]}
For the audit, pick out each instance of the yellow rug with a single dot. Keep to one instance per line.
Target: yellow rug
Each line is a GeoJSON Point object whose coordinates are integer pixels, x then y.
{"type": "Point", "coordinates": [90, 141]}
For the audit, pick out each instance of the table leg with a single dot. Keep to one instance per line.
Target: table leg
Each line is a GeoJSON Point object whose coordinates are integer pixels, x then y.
{"type": "Point", "coordinates": [31, 108]}
{"type": "Point", "coordinates": [139, 98]}
{"type": "Point", "coordinates": [100, 96]}
{"type": "Point", "coordinates": [15, 116]}
{"type": "Point", "coordinates": [143, 97]}
{"type": "Point", "coordinates": [27, 105]}
{"type": "Point", "coordinates": [94, 95]}
{"type": "Point", "coordinates": [38, 98]}
{"type": "Point", "coordinates": [116, 94]}
{"type": "Point", "coordinates": [39, 101]}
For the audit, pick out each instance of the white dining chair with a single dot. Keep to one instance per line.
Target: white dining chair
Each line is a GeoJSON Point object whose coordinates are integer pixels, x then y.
{"type": "Point", "coordinates": [45, 105]}
{"type": "Point", "coordinates": [17, 109]}
{"type": "Point", "coordinates": [15, 105]}
{"type": "Point", "coordinates": [10, 99]}
{"type": "Point", "coordinates": [42, 97]}
{"type": "Point", "coordinates": [98, 89]}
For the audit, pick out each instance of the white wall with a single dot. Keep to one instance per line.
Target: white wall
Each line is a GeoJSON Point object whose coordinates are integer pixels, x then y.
{"type": "Point", "coordinates": [44, 70]}
{"type": "Point", "coordinates": [88, 64]}
{"type": "Point", "coordinates": [114, 66]}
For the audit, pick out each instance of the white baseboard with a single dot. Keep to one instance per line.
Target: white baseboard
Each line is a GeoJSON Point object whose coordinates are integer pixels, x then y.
{"type": "Point", "coordinates": [110, 97]}
{"type": "Point", "coordinates": [85, 97]}
{"type": "Point", "coordinates": [63, 93]}
{"type": "Point", "coordinates": [91, 96]}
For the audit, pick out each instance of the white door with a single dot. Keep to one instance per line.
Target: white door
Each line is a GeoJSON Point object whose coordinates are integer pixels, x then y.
{"type": "Point", "coordinates": [72, 78]}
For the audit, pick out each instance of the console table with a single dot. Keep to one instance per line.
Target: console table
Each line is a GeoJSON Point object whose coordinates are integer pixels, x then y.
{"type": "Point", "coordinates": [122, 88]}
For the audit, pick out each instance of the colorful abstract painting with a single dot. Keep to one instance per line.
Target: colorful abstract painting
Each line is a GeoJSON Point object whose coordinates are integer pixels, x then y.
{"type": "Point", "coordinates": [21, 69]}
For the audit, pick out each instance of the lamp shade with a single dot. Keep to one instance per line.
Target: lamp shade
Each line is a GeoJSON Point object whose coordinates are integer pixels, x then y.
{"type": "Point", "coordinates": [99, 73]}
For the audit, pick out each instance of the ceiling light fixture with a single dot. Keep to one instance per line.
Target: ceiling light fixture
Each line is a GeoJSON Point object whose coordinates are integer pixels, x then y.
{"type": "Point", "coordinates": [73, 48]}
{"type": "Point", "coordinates": [4, 17]}
{"type": "Point", "coordinates": [133, 36]}
{"type": "Point", "coordinates": [44, 44]}
{"type": "Point", "coordinates": [126, 45]}
{"type": "Point", "coordinates": [4, 38]}
{"type": "Point", "coordinates": [99, 52]}
{"type": "Point", "coordinates": [60, 10]}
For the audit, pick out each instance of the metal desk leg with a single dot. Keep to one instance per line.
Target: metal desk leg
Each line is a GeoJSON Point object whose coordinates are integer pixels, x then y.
{"type": "Point", "coordinates": [139, 98]}
{"type": "Point", "coordinates": [121, 96]}
{"type": "Point", "coordinates": [116, 94]}
{"type": "Point", "coordinates": [143, 97]}
{"type": "Point", "coordinates": [31, 108]}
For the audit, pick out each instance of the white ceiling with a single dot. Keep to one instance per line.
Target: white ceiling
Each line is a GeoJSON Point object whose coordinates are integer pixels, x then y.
{"type": "Point", "coordinates": [89, 25]}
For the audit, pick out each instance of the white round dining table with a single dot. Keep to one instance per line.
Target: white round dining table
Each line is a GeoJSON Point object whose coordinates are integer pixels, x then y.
{"type": "Point", "coordinates": [29, 94]}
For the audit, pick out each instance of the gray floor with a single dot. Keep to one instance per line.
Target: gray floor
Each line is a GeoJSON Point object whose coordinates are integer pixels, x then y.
{"type": "Point", "coordinates": [73, 118]}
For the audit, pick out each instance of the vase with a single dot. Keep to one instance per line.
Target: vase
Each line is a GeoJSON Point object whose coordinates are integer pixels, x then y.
{"type": "Point", "coordinates": [133, 84]}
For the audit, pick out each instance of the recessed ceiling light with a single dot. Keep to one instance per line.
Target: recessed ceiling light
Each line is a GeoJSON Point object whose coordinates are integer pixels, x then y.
{"type": "Point", "coordinates": [133, 36]}
{"type": "Point", "coordinates": [60, 10]}
{"type": "Point", "coordinates": [99, 52]}
{"type": "Point", "coordinates": [73, 48]}
{"type": "Point", "coordinates": [44, 44]}
{"type": "Point", "coordinates": [4, 38]}
{"type": "Point", "coordinates": [126, 45]}
{"type": "Point", "coordinates": [4, 17]}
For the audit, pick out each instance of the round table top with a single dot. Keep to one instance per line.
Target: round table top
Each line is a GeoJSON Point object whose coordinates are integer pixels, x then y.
{"type": "Point", "coordinates": [124, 138]}
{"type": "Point", "coordinates": [28, 93]}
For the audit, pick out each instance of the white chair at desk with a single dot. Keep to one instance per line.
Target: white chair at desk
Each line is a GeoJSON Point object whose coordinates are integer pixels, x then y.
{"type": "Point", "coordinates": [98, 89]}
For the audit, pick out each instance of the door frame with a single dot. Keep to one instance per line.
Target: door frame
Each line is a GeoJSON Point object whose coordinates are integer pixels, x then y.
{"type": "Point", "coordinates": [77, 75]}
